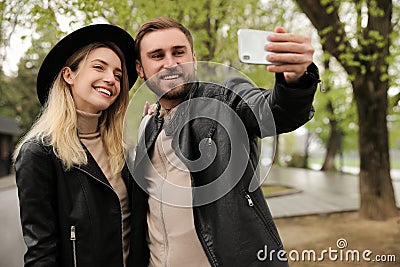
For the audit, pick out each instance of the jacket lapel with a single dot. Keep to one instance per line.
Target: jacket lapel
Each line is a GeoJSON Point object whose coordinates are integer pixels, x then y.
{"type": "Point", "coordinates": [93, 168]}
{"type": "Point", "coordinates": [147, 140]}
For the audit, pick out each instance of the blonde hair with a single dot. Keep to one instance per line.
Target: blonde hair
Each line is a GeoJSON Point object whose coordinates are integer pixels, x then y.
{"type": "Point", "coordinates": [57, 124]}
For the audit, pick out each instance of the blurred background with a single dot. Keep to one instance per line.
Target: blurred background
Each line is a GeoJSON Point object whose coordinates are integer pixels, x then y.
{"type": "Point", "coordinates": [356, 128]}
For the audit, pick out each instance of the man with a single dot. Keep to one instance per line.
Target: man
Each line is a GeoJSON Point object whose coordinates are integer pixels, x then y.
{"type": "Point", "coordinates": [196, 160]}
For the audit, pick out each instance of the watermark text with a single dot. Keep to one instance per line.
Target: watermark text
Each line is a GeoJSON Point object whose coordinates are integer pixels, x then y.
{"type": "Point", "coordinates": [339, 253]}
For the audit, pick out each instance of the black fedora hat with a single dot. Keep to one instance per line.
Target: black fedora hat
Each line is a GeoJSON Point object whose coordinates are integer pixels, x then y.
{"type": "Point", "coordinates": [58, 55]}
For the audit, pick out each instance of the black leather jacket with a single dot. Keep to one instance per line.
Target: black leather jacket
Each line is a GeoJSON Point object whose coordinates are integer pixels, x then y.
{"type": "Point", "coordinates": [236, 228]}
{"type": "Point", "coordinates": [68, 218]}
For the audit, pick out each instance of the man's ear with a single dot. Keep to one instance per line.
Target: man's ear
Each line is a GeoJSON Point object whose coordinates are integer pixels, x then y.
{"type": "Point", "coordinates": [67, 74]}
{"type": "Point", "coordinates": [139, 69]}
{"type": "Point", "coordinates": [195, 60]}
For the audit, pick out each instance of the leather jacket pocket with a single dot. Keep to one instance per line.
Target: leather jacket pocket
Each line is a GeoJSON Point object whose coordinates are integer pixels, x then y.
{"type": "Point", "coordinates": [260, 215]}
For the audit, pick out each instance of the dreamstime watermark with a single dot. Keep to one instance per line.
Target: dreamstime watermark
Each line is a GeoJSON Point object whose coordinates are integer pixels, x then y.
{"type": "Point", "coordinates": [340, 253]}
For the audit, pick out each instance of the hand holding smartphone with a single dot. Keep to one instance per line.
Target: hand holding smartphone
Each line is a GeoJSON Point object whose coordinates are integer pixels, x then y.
{"type": "Point", "coordinates": [251, 46]}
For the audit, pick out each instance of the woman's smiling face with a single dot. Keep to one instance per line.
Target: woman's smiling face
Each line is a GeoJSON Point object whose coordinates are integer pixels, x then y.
{"type": "Point", "coordinates": [96, 84]}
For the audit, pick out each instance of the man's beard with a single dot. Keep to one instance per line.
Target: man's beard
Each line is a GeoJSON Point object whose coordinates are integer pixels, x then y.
{"type": "Point", "coordinates": [176, 88]}
{"type": "Point", "coordinates": [179, 92]}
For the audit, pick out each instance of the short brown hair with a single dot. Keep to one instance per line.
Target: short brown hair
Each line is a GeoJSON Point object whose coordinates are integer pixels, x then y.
{"type": "Point", "coordinates": [156, 24]}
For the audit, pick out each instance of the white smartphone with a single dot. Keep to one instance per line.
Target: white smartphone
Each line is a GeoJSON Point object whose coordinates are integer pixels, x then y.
{"type": "Point", "coordinates": [251, 45]}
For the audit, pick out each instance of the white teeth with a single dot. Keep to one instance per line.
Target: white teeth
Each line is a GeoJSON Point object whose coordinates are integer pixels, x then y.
{"type": "Point", "coordinates": [102, 90]}
{"type": "Point", "coordinates": [170, 77]}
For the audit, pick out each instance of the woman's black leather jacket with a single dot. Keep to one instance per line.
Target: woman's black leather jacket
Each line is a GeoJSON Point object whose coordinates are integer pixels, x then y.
{"type": "Point", "coordinates": [69, 218]}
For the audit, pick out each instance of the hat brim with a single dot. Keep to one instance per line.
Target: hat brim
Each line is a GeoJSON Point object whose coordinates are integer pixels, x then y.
{"type": "Point", "coordinates": [55, 60]}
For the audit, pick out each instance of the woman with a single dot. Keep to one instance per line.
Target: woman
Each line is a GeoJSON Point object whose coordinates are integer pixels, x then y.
{"type": "Point", "coordinates": [73, 187]}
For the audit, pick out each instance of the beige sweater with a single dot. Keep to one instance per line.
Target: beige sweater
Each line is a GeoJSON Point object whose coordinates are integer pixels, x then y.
{"type": "Point", "coordinates": [90, 137]}
{"type": "Point", "coordinates": [172, 236]}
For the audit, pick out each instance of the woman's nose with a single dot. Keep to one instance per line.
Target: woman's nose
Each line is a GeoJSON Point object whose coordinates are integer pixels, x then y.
{"type": "Point", "coordinates": [110, 77]}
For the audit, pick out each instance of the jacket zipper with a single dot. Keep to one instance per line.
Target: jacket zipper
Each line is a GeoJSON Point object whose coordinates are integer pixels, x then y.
{"type": "Point", "coordinates": [253, 205]}
{"type": "Point", "coordinates": [249, 201]}
{"type": "Point", "coordinates": [91, 175]}
{"type": "Point", "coordinates": [73, 239]}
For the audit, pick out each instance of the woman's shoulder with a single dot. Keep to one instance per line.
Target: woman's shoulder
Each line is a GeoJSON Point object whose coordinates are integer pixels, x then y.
{"type": "Point", "coordinates": [36, 145]}
{"type": "Point", "coordinates": [34, 152]}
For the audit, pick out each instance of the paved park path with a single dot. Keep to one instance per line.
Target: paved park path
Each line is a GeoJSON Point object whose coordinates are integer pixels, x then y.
{"type": "Point", "coordinates": [317, 192]}
{"type": "Point", "coordinates": [320, 192]}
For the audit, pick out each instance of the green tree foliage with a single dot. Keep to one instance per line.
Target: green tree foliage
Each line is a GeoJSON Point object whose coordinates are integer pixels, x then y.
{"type": "Point", "coordinates": [11, 14]}
{"type": "Point", "coordinates": [394, 74]}
{"type": "Point", "coordinates": [18, 94]}
{"type": "Point", "coordinates": [22, 102]}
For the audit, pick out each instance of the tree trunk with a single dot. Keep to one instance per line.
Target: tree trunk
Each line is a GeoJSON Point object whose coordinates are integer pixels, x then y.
{"type": "Point", "coordinates": [376, 188]}
{"type": "Point", "coordinates": [276, 146]}
{"type": "Point", "coordinates": [332, 149]}
{"type": "Point", "coordinates": [369, 68]}
{"type": "Point", "coordinates": [306, 150]}
{"type": "Point", "coordinates": [333, 143]}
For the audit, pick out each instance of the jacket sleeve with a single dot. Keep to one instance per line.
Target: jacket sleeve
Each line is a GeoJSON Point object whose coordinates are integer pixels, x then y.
{"type": "Point", "coordinates": [280, 110]}
{"type": "Point", "coordinates": [36, 192]}
{"type": "Point", "coordinates": [291, 105]}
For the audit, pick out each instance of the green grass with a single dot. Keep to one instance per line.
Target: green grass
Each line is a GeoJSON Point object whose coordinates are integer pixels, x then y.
{"type": "Point", "coordinates": [271, 190]}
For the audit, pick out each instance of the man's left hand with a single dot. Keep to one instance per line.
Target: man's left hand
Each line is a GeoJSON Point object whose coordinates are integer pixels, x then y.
{"type": "Point", "coordinates": [295, 50]}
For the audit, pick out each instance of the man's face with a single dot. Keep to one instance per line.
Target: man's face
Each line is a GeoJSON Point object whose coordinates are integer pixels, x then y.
{"type": "Point", "coordinates": [168, 63]}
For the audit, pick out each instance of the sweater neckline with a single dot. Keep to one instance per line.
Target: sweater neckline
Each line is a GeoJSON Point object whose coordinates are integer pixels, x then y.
{"type": "Point", "coordinates": [87, 123]}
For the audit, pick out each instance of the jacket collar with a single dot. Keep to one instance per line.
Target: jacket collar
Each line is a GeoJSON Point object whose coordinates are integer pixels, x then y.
{"type": "Point", "coordinates": [182, 112]}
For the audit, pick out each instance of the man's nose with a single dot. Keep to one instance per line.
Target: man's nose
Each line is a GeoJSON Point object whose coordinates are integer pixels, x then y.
{"type": "Point", "coordinates": [169, 62]}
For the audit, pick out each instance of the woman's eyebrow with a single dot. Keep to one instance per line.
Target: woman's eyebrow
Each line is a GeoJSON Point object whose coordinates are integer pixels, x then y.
{"type": "Point", "coordinates": [105, 63]}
